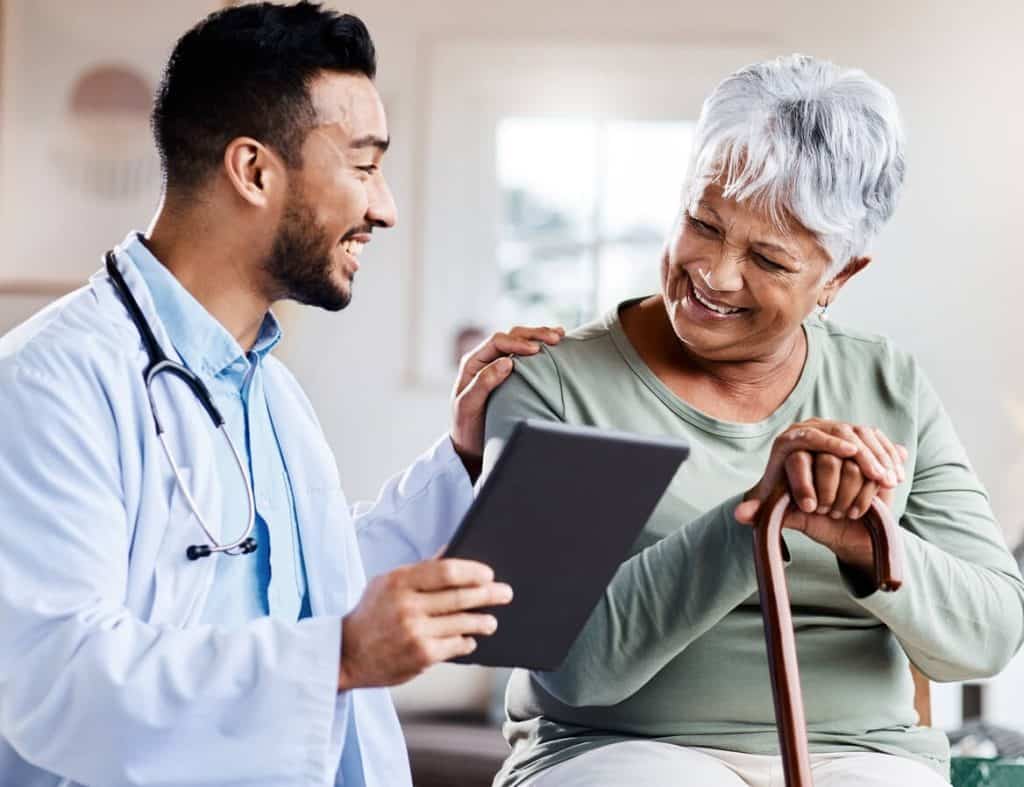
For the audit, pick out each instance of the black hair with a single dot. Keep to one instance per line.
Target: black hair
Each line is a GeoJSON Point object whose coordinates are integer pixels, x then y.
{"type": "Point", "coordinates": [245, 71]}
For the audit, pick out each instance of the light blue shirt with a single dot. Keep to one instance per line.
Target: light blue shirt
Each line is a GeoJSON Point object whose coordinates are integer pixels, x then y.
{"type": "Point", "coordinates": [108, 673]}
{"type": "Point", "coordinates": [271, 580]}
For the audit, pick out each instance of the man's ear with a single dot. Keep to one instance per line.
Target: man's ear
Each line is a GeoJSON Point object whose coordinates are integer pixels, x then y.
{"type": "Point", "coordinates": [253, 170]}
{"type": "Point", "coordinates": [837, 282]}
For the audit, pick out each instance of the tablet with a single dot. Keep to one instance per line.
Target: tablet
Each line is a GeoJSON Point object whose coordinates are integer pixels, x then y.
{"type": "Point", "coordinates": [555, 518]}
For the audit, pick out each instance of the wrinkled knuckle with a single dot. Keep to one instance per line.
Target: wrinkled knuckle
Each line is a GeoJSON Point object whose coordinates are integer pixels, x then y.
{"type": "Point", "coordinates": [422, 653]}
{"type": "Point", "coordinates": [826, 462]}
{"type": "Point", "coordinates": [792, 436]}
{"type": "Point", "coordinates": [392, 582]}
{"type": "Point", "coordinates": [408, 627]}
{"type": "Point", "coordinates": [463, 598]}
{"type": "Point", "coordinates": [851, 470]}
{"type": "Point", "coordinates": [406, 607]}
{"type": "Point", "coordinates": [449, 573]}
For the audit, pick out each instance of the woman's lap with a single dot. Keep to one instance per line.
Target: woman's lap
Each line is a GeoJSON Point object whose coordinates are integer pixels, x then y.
{"type": "Point", "coordinates": [659, 764]}
{"type": "Point", "coordinates": [650, 763]}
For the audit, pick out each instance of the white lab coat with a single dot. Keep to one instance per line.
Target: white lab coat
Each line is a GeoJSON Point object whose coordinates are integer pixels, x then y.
{"type": "Point", "coordinates": [107, 678]}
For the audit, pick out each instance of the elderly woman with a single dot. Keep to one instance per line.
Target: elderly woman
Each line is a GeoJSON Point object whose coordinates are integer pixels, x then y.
{"type": "Point", "coordinates": [797, 164]}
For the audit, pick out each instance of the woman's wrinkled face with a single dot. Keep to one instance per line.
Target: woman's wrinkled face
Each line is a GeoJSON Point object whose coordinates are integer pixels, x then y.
{"type": "Point", "coordinates": [735, 287]}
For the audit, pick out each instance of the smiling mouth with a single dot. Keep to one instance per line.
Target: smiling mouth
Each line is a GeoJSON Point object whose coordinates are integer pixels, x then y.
{"type": "Point", "coordinates": [352, 247]}
{"type": "Point", "coordinates": [721, 309]}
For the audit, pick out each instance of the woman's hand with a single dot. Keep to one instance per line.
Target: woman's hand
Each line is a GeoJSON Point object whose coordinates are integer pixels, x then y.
{"type": "Point", "coordinates": [831, 488]}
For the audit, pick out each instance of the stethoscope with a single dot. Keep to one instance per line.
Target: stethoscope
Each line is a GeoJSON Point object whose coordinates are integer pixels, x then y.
{"type": "Point", "coordinates": [159, 363]}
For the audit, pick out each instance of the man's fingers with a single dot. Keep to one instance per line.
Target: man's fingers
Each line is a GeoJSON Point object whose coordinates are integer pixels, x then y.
{"type": "Point", "coordinates": [505, 344]}
{"type": "Point", "coordinates": [485, 354]}
{"type": "Point", "coordinates": [548, 334]}
{"type": "Point", "coordinates": [473, 396]}
{"type": "Point", "coordinates": [800, 478]}
{"type": "Point", "coordinates": [444, 602]}
{"type": "Point", "coordinates": [518, 341]}
{"type": "Point", "coordinates": [463, 624]}
{"type": "Point", "coordinates": [447, 573]}
{"type": "Point", "coordinates": [452, 647]}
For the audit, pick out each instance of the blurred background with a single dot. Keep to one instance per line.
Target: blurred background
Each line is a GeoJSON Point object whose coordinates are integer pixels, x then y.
{"type": "Point", "coordinates": [538, 151]}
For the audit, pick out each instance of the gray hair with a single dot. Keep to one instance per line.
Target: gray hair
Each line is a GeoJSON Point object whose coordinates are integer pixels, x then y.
{"type": "Point", "coordinates": [803, 138]}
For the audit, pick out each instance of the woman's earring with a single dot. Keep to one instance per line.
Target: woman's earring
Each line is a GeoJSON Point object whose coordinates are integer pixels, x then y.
{"type": "Point", "coordinates": [823, 310]}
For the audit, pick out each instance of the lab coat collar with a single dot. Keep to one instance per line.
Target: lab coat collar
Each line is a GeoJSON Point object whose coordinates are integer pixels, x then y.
{"type": "Point", "coordinates": [110, 301]}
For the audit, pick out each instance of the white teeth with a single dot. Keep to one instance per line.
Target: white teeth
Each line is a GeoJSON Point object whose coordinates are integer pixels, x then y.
{"type": "Point", "coordinates": [352, 247]}
{"type": "Point", "coordinates": [713, 307]}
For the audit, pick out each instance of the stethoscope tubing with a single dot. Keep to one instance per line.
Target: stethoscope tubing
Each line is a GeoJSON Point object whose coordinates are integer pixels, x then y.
{"type": "Point", "coordinates": [159, 364]}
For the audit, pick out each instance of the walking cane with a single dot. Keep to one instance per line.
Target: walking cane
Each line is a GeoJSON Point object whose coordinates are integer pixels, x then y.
{"type": "Point", "coordinates": [778, 620]}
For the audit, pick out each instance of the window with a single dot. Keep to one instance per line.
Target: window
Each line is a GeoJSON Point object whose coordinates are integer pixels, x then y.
{"type": "Point", "coordinates": [586, 206]}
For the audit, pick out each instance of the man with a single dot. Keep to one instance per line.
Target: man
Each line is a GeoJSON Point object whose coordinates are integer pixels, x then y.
{"type": "Point", "coordinates": [122, 660]}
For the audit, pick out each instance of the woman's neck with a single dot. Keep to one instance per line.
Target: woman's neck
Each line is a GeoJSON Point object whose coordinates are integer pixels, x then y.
{"type": "Point", "coordinates": [747, 390]}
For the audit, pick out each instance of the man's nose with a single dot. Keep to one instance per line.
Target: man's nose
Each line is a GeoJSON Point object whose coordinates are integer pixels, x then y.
{"type": "Point", "coordinates": [381, 211]}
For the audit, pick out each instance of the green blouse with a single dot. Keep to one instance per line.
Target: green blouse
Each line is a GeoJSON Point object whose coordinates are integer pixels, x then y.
{"type": "Point", "coordinates": [675, 649]}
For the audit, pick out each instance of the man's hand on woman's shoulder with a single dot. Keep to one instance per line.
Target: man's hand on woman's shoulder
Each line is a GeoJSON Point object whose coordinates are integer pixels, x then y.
{"type": "Point", "coordinates": [481, 371]}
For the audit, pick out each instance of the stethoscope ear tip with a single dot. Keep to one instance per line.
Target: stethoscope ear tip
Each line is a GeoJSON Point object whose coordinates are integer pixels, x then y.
{"type": "Point", "coordinates": [197, 551]}
{"type": "Point", "coordinates": [249, 546]}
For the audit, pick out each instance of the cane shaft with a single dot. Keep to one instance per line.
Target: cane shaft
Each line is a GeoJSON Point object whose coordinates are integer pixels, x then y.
{"type": "Point", "coordinates": [778, 621]}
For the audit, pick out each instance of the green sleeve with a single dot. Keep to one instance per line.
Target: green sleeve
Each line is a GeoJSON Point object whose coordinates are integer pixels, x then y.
{"type": "Point", "coordinates": [660, 600]}
{"type": "Point", "coordinates": [960, 612]}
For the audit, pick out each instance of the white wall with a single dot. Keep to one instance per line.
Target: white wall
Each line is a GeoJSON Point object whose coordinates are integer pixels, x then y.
{"type": "Point", "coordinates": [53, 228]}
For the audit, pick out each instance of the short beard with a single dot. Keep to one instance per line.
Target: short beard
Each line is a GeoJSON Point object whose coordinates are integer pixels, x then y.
{"type": "Point", "coordinates": [300, 263]}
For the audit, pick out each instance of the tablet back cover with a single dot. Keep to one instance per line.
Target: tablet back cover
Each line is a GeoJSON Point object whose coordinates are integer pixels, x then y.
{"type": "Point", "coordinates": [555, 518]}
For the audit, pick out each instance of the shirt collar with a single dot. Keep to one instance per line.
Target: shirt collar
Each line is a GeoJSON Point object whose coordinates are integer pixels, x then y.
{"type": "Point", "coordinates": [205, 346]}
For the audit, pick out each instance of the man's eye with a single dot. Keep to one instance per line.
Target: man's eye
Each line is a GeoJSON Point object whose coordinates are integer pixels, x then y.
{"type": "Point", "coordinates": [369, 169]}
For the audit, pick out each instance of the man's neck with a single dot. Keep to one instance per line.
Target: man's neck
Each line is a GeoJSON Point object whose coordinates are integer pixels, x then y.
{"type": "Point", "coordinates": [218, 269]}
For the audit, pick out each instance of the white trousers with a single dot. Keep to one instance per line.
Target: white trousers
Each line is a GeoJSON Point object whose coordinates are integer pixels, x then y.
{"type": "Point", "coordinates": [658, 764]}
